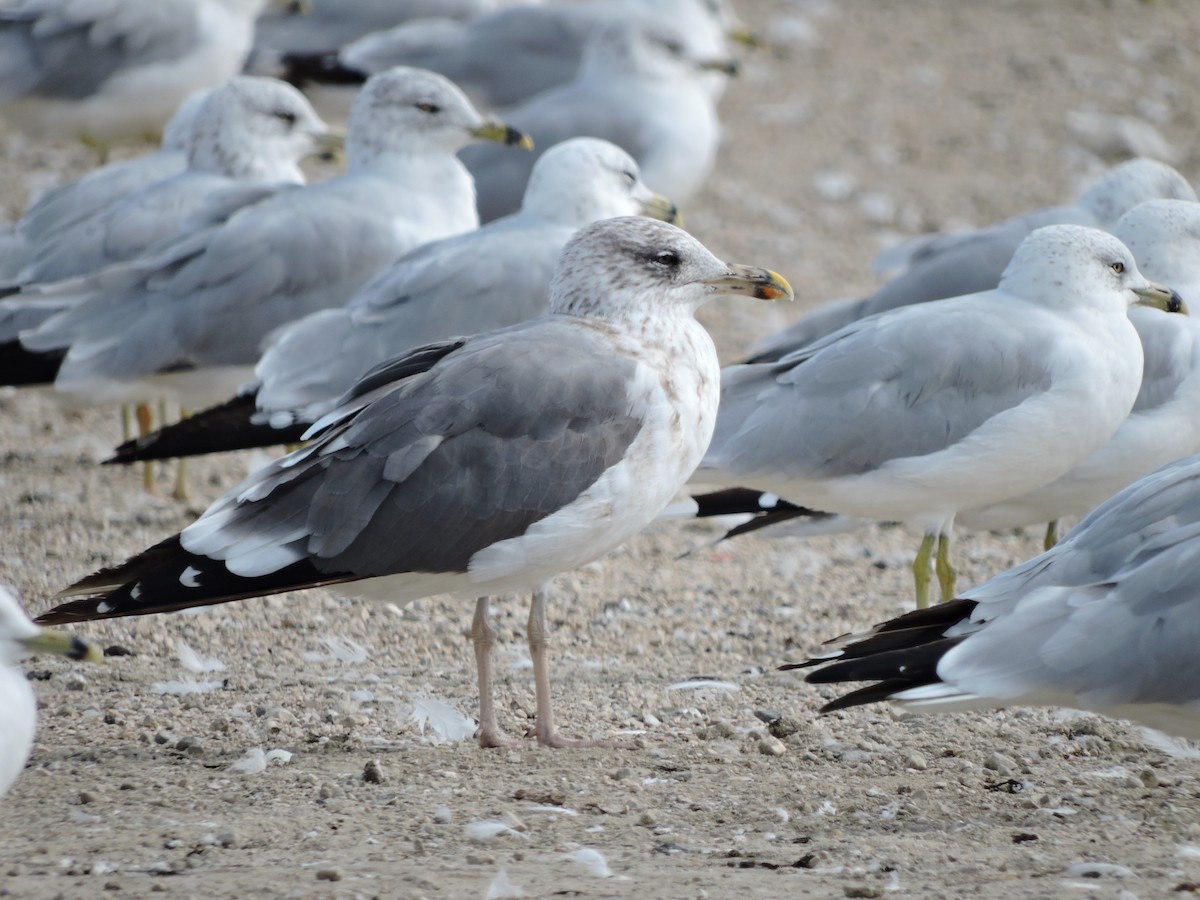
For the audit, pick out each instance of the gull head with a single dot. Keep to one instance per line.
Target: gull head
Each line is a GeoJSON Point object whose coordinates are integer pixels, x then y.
{"type": "Point", "coordinates": [1131, 183]}
{"type": "Point", "coordinates": [1164, 236]}
{"type": "Point", "coordinates": [633, 267]}
{"type": "Point", "coordinates": [585, 179]}
{"type": "Point", "coordinates": [20, 638]}
{"type": "Point", "coordinates": [407, 112]}
{"type": "Point", "coordinates": [255, 127]}
{"type": "Point", "coordinates": [1075, 267]}
{"type": "Point", "coordinates": [646, 50]}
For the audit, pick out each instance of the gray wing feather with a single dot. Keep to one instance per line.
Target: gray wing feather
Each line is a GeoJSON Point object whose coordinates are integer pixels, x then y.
{"type": "Point", "coordinates": [884, 388]}
{"type": "Point", "coordinates": [494, 436]}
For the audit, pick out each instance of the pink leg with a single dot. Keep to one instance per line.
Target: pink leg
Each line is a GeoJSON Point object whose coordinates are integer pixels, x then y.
{"type": "Point", "coordinates": [544, 729]}
{"type": "Point", "coordinates": [483, 634]}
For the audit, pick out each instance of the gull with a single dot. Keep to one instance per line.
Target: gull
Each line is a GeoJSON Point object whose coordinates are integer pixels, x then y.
{"type": "Point", "coordinates": [111, 69]}
{"type": "Point", "coordinates": [950, 265]}
{"type": "Point", "coordinates": [1104, 621]}
{"type": "Point", "coordinates": [478, 281]}
{"type": "Point", "coordinates": [918, 413]}
{"type": "Point", "coordinates": [1164, 425]}
{"type": "Point", "coordinates": [20, 638]}
{"type": "Point", "coordinates": [251, 130]}
{"type": "Point", "coordinates": [185, 321]}
{"type": "Point", "coordinates": [480, 465]}
{"type": "Point", "coordinates": [637, 87]}
{"type": "Point", "coordinates": [85, 196]}
{"type": "Point", "coordinates": [506, 57]}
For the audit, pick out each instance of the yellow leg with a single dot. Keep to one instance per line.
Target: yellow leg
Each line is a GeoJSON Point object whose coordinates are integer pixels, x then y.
{"type": "Point", "coordinates": [126, 424]}
{"type": "Point", "coordinates": [922, 571]}
{"type": "Point", "coordinates": [945, 569]}
{"type": "Point", "coordinates": [1051, 537]}
{"type": "Point", "coordinates": [145, 422]}
{"type": "Point", "coordinates": [181, 489]}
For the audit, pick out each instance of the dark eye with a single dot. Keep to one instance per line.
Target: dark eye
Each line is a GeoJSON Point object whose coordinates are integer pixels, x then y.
{"type": "Point", "coordinates": [285, 115]}
{"type": "Point", "coordinates": [1118, 267]}
{"type": "Point", "coordinates": [430, 108]}
{"type": "Point", "coordinates": [674, 48]}
{"type": "Point", "coordinates": [630, 178]}
{"type": "Point", "coordinates": [667, 259]}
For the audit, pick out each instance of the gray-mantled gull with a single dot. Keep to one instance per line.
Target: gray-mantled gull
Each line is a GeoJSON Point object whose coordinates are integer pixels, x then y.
{"type": "Point", "coordinates": [481, 465]}
{"type": "Point", "coordinates": [250, 130]}
{"type": "Point", "coordinates": [506, 57]}
{"type": "Point", "coordinates": [1104, 621]}
{"type": "Point", "coordinates": [186, 321]}
{"type": "Point", "coordinates": [109, 69]}
{"type": "Point", "coordinates": [75, 200]}
{"type": "Point", "coordinates": [950, 265]}
{"type": "Point", "coordinates": [1164, 424]}
{"type": "Point", "coordinates": [915, 414]}
{"type": "Point", "coordinates": [478, 281]}
{"type": "Point", "coordinates": [637, 87]}
{"type": "Point", "coordinates": [19, 638]}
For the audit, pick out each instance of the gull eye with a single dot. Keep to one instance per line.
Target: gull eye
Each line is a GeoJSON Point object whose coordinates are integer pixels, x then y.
{"type": "Point", "coordinates": [666, 259]}
{"type": "Point", "coordinates": [285, 115]}
{"type": "Point", "coordinates": [630, 178]}
{"type": "Point", "coordinates": [430, 108]}
{"type": "Point", "coordinates": [1118, 267]}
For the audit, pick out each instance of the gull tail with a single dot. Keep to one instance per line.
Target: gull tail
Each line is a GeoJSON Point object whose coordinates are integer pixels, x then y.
{"type": "Point", "coordinates": [219, 429]}
{"type": "Point", "coordinates": [900, 655]}
{"type": "Point", "coordinates": [167, 578]}
{"type": "Point", "coordinates": [303, 69]}
{"type": "Point", "coordinates": [765, 509]}
{"type": "Point", "coordinates": [23, 367]}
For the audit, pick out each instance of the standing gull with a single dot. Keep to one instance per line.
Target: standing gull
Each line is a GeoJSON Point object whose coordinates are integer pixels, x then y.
{"type": "Point", "coordinates": [506, 57]}
{"type": "Point", "coordinates": [250, 130]}
{"type": "Point", "coordinates": [950, 265]}
{"type": "Point", "coordinates": [638, 86]}
{"type": "Point", "coordinates": [478, 281]}
{"type": "Point", "coordinates": [916, 414]}
{"type": "Point", "coordinates": [1104, 621]}
{"type": "Point", "coordinates": [480, 465]}
{"type": "Point", "coordinates": [115, 68]}
{"type": "Point", "coordinates": [1164, 424]}
{"type": "Point", "coordinates": [186, 321]}
{"type": "Point", "coordinates": [18, 708]}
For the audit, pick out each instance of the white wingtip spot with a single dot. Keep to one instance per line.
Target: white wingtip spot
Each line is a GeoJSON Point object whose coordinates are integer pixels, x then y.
{"type": "Point", "coordinates": [104, 607]}
{"type": "Point", "coordinates": [189, 577]}
{"type": "Point", "coordinates": [136, 591]}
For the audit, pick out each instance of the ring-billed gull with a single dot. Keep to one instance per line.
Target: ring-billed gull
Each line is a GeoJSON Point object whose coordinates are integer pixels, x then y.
{"type": "Point", "coordinates": [915, 414]}
{"type": "Point", "coordinates": [508, 56]}
{"type": "Point", "coordinates": [19, 638]}
{"type": "Point", "coordinates": [82, 197]}
{"type": "Point", "coordinates": [186, 321]}
{"type": "Point", "coordinates": [115, 68]}
{"type": "Point", "coordinates": [1164, 424]}
{"type": "Point", "coordinates": [478, 281]}
{"type": "Point", "coordinates": [637, 87]}
{"type": "Point", "coordinates": [481, 465]}
{"type": "Point", "coordinates": [250, 130]}
{"type": "Point", "coordinates": [1104, 621]}
{"type": "Point", "coordinates": [950, 265]}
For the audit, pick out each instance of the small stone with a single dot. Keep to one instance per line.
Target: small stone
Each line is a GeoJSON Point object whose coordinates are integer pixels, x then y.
{"type": "Point", "coordinates": [226, 837]}
{"type": "Point", "coordinates": [329, 874]}
{"type": "Point", "coordinates": [648, 819]}
{"type": "Point", "coordinates": [717, 730]}
{"type": "Point", "coordinates": [1148, 778]}
{"type": "Point", "coordinates": [75, 682]}
{"type": "Point", "coordinates": [372, 773]}
{"type": "Point", "coordinates": [861, 890]}
{"type": "Point", "coordinates": [915, 761]}
{"type": "Point", "coordinates": [86, 797]}
{"type": "Point", "coordinates": [769, 745]}
{"type": "Point", "coordinates": [480, 859]}
{"type": "Point", "coordinates": [1001, 764]}
{"type": "Point", "coordinates": [443, 815]}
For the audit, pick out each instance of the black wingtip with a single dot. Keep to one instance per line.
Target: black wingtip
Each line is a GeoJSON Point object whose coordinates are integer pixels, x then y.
{"type": "Point", "coordinates": [219, 429]}
{"type": "Point", "coordinates": [303, 69]}
{"type": "Point", "coordinates": [742, 501]}
{"type": "Point", "coordinates": [21, 367]}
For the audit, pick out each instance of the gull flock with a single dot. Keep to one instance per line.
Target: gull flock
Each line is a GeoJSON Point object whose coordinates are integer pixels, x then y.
{"type": "Point", "coordinates": [480, 340]}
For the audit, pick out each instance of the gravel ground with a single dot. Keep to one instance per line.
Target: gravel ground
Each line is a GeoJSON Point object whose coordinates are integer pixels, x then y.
{"type": "Point", "coordinates": [874, 121]}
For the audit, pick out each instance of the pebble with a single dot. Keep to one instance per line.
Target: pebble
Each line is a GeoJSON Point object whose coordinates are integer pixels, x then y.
{"type": "Point", "coordinates": [769, 745]}
{"type": "Point", "coordinates": [329, 874]}
{"type": "Point", "coordinates": [1001, 764]}
{"type": "Point", "coordinates": [373, 773]}
{"type": "Point", "coordinates": [915, 761]}
{"type": "Point", "coordinates": [75, 682]}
